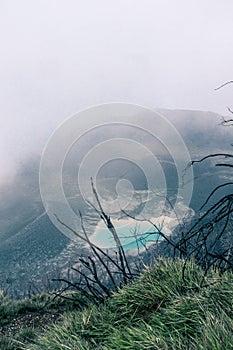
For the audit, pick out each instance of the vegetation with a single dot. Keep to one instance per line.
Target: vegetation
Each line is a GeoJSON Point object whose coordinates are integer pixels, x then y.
{"type": "Point", "coordinates": [20, 319]}
{"type": "Point", "coordinates": [119, 303]}
{"type": "Point", "coordinates": [158, 310]}
{"type": "Point", "coordinates": [184, 300]}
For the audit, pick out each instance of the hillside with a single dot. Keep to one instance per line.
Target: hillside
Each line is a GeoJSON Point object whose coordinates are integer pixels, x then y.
{"type": "Point", "coordinates": [159, 310]}
{"type": "Point", "coordinates": [31, 245]}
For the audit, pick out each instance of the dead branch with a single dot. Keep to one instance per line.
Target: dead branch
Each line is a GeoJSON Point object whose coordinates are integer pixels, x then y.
{"type": "Point", "coordinates": [221, 86]}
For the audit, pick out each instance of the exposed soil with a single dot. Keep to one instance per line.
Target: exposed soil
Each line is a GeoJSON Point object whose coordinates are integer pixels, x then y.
{"type": "Point", "coordinates": [34, 320]}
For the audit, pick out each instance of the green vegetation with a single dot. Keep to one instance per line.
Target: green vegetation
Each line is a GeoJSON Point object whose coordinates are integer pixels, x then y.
{"type": "Point", "coordinates": [19, 320]}
{"type": "Point", "coordinates": [25, 335]}
{"type": "Point", "coordinates": [10, 309]}
{"type": "Point", "coordinates": [159, 310]}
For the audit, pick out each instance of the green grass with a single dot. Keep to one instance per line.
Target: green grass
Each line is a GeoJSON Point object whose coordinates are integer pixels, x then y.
{"type": "Point", "coordinates": [25, 335]}
{"type": "Point", "coordinates": [10, 309]}
{"type": "Point", "coordinates": [157, 311]}
{"type": "Point", "coordinates": [16, 311]}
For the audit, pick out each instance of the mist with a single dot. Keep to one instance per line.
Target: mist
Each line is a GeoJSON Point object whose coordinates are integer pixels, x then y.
{"type": "Point", "coordinates": [59, 57]}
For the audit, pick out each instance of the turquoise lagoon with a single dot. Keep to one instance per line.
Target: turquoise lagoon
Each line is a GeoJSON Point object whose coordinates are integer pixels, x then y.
{"type": "Point", "coordinates": [133, 235]}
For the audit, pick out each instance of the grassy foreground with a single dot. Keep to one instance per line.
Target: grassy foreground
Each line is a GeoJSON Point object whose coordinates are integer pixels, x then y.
{"type": "Point", "coordinates": [157, 311]}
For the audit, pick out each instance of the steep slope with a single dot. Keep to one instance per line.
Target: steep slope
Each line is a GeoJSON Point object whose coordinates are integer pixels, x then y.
{"type": "Point", "coordinates": [160, 310]}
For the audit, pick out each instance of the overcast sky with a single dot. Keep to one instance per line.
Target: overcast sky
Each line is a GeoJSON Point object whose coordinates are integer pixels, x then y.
{"type": "Point", "coordinates": [58, 57]}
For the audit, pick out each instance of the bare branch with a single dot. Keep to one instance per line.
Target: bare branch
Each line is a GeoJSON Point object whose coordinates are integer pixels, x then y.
{"type": "Point", "coordinates": [225, 155]}
{"type": "Point", "coordinates": [221, 86]}
{"type": "Point", "coordinates": [230, 110]}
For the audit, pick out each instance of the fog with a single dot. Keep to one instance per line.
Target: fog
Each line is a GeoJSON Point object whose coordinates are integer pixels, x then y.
{"type": "Point", "coordinates": [60, 57]}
